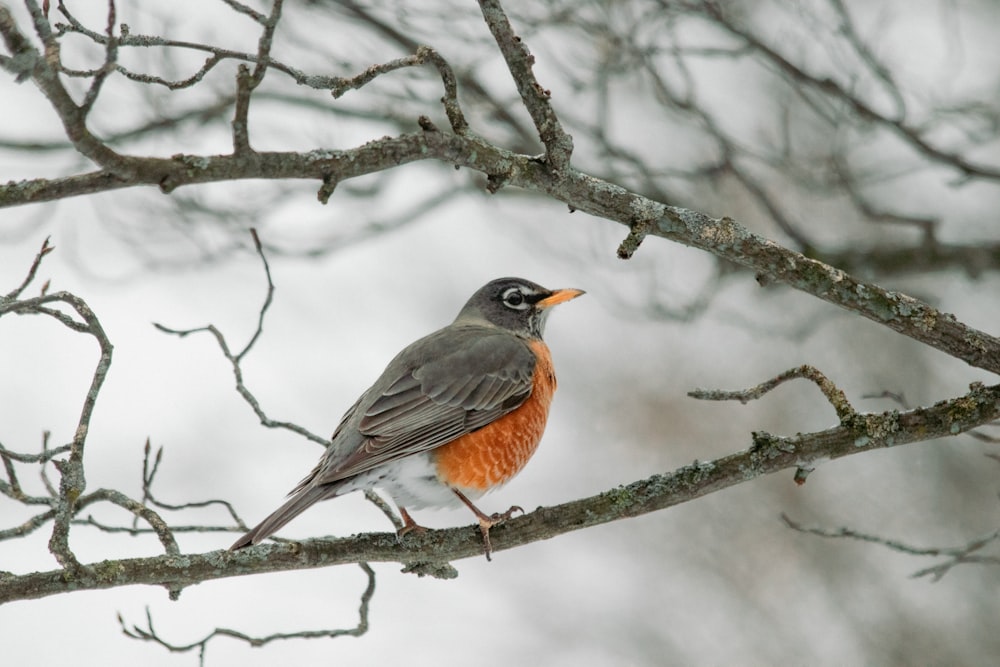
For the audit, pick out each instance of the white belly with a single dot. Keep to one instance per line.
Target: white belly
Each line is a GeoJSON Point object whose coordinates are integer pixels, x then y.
{"type": "Point", "coordinates": [411, 482]}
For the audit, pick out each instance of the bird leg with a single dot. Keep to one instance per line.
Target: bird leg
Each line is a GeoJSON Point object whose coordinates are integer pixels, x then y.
{"type": "Point", "coordinates": [487, 521]}
{"type": "Point", "coordinates": [409, 525]}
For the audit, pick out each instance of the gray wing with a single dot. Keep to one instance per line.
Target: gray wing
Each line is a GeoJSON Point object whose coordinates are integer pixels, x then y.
{"type": "Point", "coordinates": [442, 387]}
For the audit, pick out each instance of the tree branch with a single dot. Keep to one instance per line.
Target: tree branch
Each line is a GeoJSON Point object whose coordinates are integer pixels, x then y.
{"type": "Point", "coordinates": [723, 237]}
{"type": "Point", "coordinates": [911, 136]}
{"type": "Point", "coordinates": [235, 359]}
{"type": "Point", "coordinates": [558, 144]}
{"type": "Point", "coordinates": [44, 71]}
{"type": "Point", "coordinates": [954, 556]}
{"type": "Point", "coordinates": [429, 552]}
{"type": "Point", "coordinates": [150, 634]}
{"type": "Point", "coordinates": [72, 480]}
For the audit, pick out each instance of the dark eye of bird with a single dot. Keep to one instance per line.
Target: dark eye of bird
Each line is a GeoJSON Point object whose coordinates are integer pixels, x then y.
{"type": "Point", "coordinates": [513, 298]}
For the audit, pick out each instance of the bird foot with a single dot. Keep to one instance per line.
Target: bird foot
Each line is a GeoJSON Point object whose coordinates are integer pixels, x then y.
{"type": "Point", "coordinates": [497, 517]}
{"type": "Point", "coordinates": [487, 521]}
{"type": "Point", "coordinates": [409, 526]}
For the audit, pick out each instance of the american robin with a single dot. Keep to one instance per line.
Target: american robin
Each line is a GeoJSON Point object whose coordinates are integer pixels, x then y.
{"type": "Point", "coordinates": [454, 415]}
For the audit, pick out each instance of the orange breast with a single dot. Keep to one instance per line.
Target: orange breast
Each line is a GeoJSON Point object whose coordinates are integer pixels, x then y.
{"type": "Point", "coordinates": [495, 453]}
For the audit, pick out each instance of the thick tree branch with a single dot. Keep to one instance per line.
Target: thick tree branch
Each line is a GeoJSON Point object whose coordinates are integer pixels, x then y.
{"type": "Point", "coordinates": [723, 237]}
{"type": "Point", "coordinates": [430, 551]}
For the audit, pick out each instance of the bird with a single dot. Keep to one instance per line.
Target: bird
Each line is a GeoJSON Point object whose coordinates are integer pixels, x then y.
{"type": "Point", "coordinates": [454, 415]}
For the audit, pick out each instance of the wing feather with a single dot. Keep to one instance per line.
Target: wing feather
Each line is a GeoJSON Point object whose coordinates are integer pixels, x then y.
{"type": "Point", "coordinates": [442, 387]}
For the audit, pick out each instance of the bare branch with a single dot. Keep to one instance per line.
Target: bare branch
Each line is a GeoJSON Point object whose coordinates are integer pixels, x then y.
{"type": "Point", "coordinates": [141, 511]}
{"type": "Point", "coordinates": [110, 58]}
{"type": "Point", "coordinates": [150, 634]}
{"type": "Point", "coordinates": [423, 55]}
{"type": "Point", "coordinates": [12, 487]}
{"type": "Point", "coordinates": [724, 237]}
{"type": "Point", "coordinates": [46, 457]}
{"type": "Point", "coordinates": [385, 508]}
{"type": "Point", "coordinates": [26, 527]}
{"type": "Point", "coordinates": [246, 82]}
{"type": "Point", "coordinates": [912, 136]}
{"type": "Point", "coordinates": [832, 392]}
{"type": "Point", "coordinates": [880, 72]}
{"type": "Point", "coordinates": [216, 55]}
{"type": "Point", "coordinates": [240, 8]}
{"type": "Point", "coordinates": [16, 292]}
{"type": "Point", "coordinates": [46, 77]}
{"type": "Point", "coordinates": [235, 359]}
{"type": "Point", "coordinates": [955, 556]}
{"type": "Point", "coordinates": [148, 476]}
{"type": "Point", "coordinates": [470, 85]}
{"type": "Point", "coordinates": [558, 144]}
{"type": "Point", "coordinates": [241, 136]}
{"type": "Point", "coordinates": [72, 482]}
{"type": "Point", "coordinates": [426, 552]}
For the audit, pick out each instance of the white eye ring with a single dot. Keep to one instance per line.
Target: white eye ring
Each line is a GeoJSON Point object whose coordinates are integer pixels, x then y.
{"type": "Point", "coordinates": [514, 299]}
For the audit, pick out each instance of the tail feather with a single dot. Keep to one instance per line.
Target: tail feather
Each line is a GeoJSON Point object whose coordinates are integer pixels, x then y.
{"type": "Point", "coordinates": [295, 505]}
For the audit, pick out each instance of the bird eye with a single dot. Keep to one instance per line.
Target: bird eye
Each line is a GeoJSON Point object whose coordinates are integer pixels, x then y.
{"type": "Point", "coordinates": [513, 298]}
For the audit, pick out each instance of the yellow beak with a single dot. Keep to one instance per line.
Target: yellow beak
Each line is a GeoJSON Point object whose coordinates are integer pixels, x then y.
{"type": "Point", "coordinates": [559, 296]}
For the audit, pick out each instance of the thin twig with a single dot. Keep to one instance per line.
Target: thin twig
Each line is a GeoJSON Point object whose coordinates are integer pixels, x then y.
{"type": "Point", "coordinates": [499, 108]}
{"type": "Point", "coordinates": [240, 8]}
{"type": "Point", "coordinates": [137, 530]}
{"type": "Point", "coordinates": [72, 482]}
{"type": "Point", "coordinates": [832, 392]}
{"type": "Point", "coordinates": [215, 56]}
{"type": "Point", "coordinates": [955, 555]}
{"type": "Point", "coordinates": [16, 292]}
{"type": "Point", "coordinates": [45, 455]}
{"type": "Point", "coordinates": [236, 359]}
{"type": "Point", "coordinates": [912, 136]}
{"type": "Point", "coordinates": [110, 58]}
{"type": "Point", "coordinates": [150, 634]}
{"type": "Point", "coordinates": [385, 508]}
{"type": "Point", "coordinates": [423, 55]}
{"type": "Point", "coordinates": [247, 82]}
{"type": "Point", "coordinates": [268, 298]}
{"type": "Point", "coordinates": [29, 526]}
{"type": "Point", "coordinates": [43, 473]}
{"type": "Point", "coordinates": [145, 513]}
{"type": "Point", "coordinates": [241, 129]}
{"type": "Point", "coordinates": [148, 476]}
{"type": "Point", "coordinates": [44, 71]}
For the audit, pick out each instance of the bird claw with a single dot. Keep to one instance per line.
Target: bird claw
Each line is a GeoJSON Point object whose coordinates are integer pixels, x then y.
{"type": "Point", "coordinates": [488, 521]}
{"type": "Point", "coordinates": [406, 530]}
{"type": "Point", "coordinates": [498, 517]}
{"type": "Point", "coordinates": [409, 526]}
